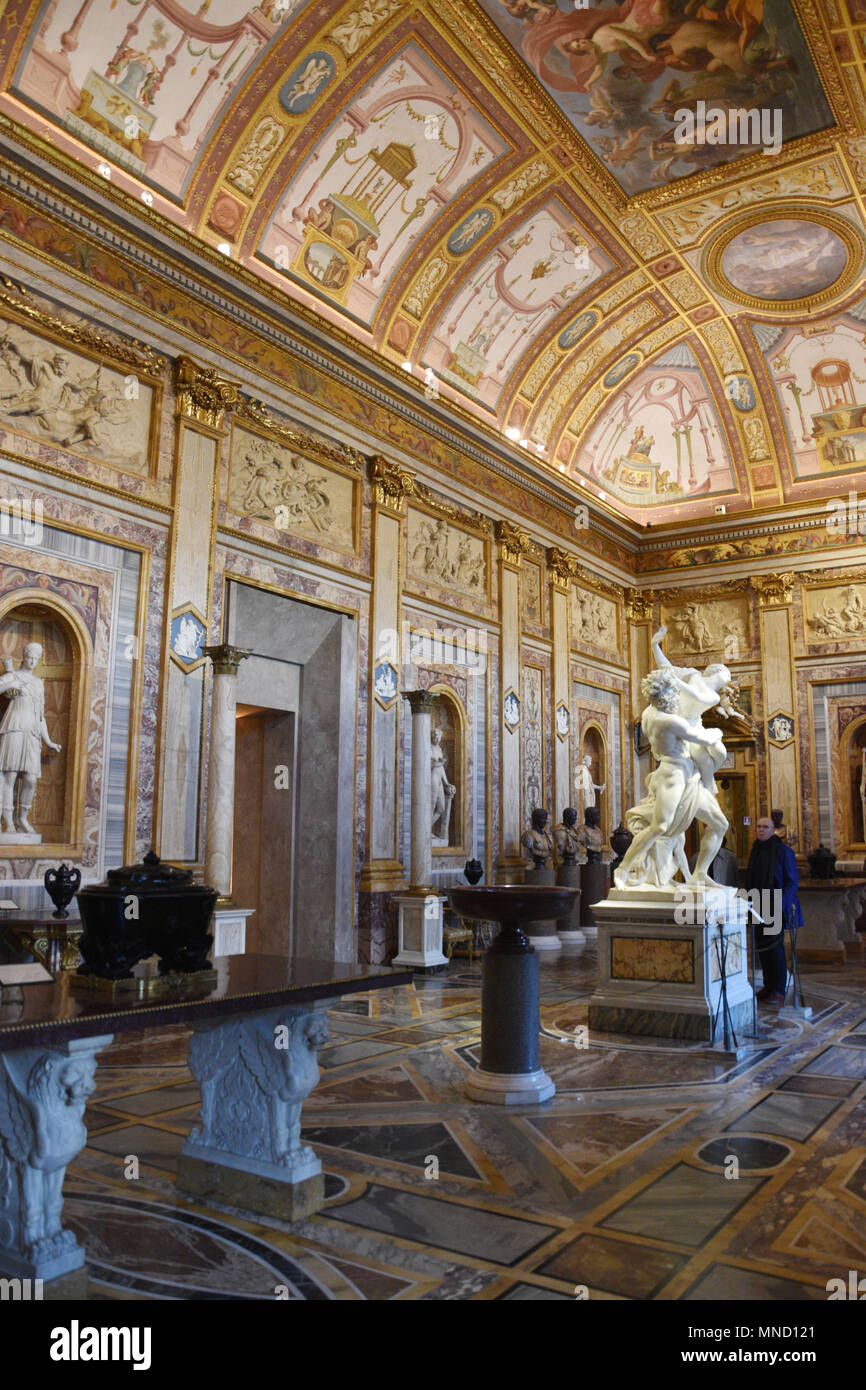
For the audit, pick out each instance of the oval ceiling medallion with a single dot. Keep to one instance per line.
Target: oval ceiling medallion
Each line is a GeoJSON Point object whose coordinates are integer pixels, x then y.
{"type": "Point", "coordinates": [784, 263]}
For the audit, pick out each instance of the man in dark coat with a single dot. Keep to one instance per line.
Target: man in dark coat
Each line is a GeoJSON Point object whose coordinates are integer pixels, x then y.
{"type": "Point", "coordinates": [773, 872]}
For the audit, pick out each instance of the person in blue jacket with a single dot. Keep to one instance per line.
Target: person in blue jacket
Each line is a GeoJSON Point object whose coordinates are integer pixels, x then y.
{"type": "Point", "coordinates": [773, 866]}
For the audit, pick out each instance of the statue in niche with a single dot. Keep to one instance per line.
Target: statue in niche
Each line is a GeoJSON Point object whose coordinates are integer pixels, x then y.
{"type": "Point", "coordinates": [537, 840]}
{"type": "Point", "coordinates": [682, 788]}
{"type": "Point", "coordinates": [22, 732]}
{"type": "Point", "coordinates": [442, 792]}
{"type": "Point", "coordinates": [863, 790]}
{"type": "Point", "coordinates": [585, 784]}
{"type": "Point", "coordinates": [589, 835]}
{"type": "Point", "coordinates": [567, 837]}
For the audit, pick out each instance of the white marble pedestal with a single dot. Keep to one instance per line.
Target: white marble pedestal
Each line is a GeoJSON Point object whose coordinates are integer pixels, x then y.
{"type": "Point", "coordinates": [419, 943]}
{"type": "Point", "coordinates": [19, 837]}
{"type": "Point", "coordinates": [43, 1092]}
{"type": "Point", "coordinates": [658, 967]}
{"type": "Point", "coordinates": [230, 930]}
{"type": "Point", "coordinates": [255, 1072]}
{"type": "Point", "coordinates": [830, 909]}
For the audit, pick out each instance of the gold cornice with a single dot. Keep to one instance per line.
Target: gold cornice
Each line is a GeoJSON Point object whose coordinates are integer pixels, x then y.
{"type": "Point", "coordinates": [253, 412]}
{"type": "Point", "coordinates": [587, 579]}
{"type": "Point", "coordinates": [17, 301]}
{"type": "Point", "coordinates": [773, 588]}
{"type": "Point", "coordinates": [702, 593]}
{"type": "Point", "coordinates": [513, 543]}
{"type": "Point", "coordinates": [391, 485]}
{"type": "Point", "coordinates": [202, 395]}
{"type": "Point", "coordinates": [639, 605]}
{"type": "Point", "coordinates": [813, 579]}
{"type": "Point", "coordinates": [561, 568]}
{"type": "Point", "coordinates": [440, 506]}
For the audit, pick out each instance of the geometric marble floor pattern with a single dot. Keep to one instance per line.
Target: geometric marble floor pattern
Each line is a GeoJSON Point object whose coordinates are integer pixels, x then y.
{"type": "Point", "coordinates": [659, 1171]}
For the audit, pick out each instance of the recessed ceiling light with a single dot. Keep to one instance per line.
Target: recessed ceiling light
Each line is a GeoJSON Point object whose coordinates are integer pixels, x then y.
{"type": "Point", "coordinates": [602, 495]}
{"type": "Point", "coordinates": [524, 443]}
{"type": "Point", "coordinates": [562, 468]}
{"type": "Point", "coordinates": [512, 432]}
{"type": "Point", "coordinates": [407, 366]}
{"type": "Point", "coordinates": [104, 170]}
{"type": "Point", "coordinates": [224, 247]}
{"type": "Point", "coordinates": [147, 197]}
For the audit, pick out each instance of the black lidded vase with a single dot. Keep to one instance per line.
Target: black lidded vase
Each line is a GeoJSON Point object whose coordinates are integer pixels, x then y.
{"type": "Point", "coordinates": [61, 885]}
{"type": "Point", "coordinates": [822, 863]}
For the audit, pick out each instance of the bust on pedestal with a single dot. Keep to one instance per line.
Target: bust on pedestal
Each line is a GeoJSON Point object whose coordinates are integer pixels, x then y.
{"type": "Point", "coordinates": [22, 733]}
{"type": "Point", "coordinates": [537, 841]}
{"type": "Point", "coordinates": [593, 874]}
{"type": "Point", "coordinates": [568, 846]}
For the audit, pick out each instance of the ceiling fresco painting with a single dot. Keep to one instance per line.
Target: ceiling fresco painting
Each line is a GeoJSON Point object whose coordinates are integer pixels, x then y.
{"type": "Point", "coordinates": [400, 152]}
{"type": "Point", "coordinates": [660, 439]}
{"type": "Point", "coordinates": [622, 72]}
{"type": "Point", "coordinates": [487, 200]}
{"type": "Point", "coordinates": [535, 271]}
{"type": "Point", "coordinates": [819, 375]}
{"type": "Point", "coordinates": [141, 81]}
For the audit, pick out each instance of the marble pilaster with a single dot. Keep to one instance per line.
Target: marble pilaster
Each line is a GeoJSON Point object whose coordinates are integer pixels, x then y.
{"type": "Point", "coordinates": [513, 543]}
{"type": "Point", "coordinates": [221, 766]}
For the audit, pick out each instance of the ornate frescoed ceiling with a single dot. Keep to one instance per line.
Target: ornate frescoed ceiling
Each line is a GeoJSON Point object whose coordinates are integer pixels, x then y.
{"type": "Point", "coordinates": [489, 197]}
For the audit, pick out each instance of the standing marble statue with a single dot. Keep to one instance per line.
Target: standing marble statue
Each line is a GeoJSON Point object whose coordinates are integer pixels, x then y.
{"type": "Point", "coordinates": [584, 783]}
{"type": "Point", "coordinates": [22, 733]}
{"type": "Point", "coordinates": [442, 792]}
{"type": "Point", "coordinates": [682, 788]}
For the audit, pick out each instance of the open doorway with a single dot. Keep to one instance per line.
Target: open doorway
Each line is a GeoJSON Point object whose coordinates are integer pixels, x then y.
{"type": "Point", "coordinates": [262, 875]}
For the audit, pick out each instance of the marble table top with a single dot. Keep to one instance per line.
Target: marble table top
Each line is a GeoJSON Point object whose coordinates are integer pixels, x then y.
{"type": "Point", "coordinates": [46, 1014]}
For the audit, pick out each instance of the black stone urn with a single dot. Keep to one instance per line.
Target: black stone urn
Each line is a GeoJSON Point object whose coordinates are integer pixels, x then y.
{"type": "Point", "coordinates": [473, 871]}
{"type": "Point", "coordinates": [822, 862]}
{"type": "Point", "coordinates": [142, 910]}
{"type": "Point", "coordinates": [619, 843]}
{"type": "Point", "coordinates": [61, 885]}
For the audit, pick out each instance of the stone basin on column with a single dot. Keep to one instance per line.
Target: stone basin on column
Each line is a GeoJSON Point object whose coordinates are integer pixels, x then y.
{"type": "Point", "coordinates": [510, 1073]}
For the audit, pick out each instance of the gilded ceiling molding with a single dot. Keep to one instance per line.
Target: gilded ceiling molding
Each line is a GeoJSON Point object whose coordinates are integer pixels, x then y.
{"type": "Point", "coordinates": [202, 395]}
{"type": "Point", "coordinates": [139, 357]}
{"type": "Point", "coordinates": [391, 485]}
{"type": "Point", "coordinates": [812, 579]}
{"type": "Point", "coordinates": [703, 593]}
{"type": "Point", "coordinates": [755, 438]}
{"type": "Point", "coordinates": [848, 116]}
{"type": "Point", "coordinates": [685, 290]}
{"type": "Point", "coordinates": [356, 27]}
{"type": "Point", "coordinates": [845, 231]}
{"type": "Point", "coordinates": [823, 178]}
{"type": "Point", "coordinates": [588, 580]}
{"type": "Point", "coordinates": [513, 543]}
{"type": "Point", "coordinates": [723, 346]}
{"type": "Point", "coordinates": [561, 568]}
{"type": "Point", "coordinates": [256, 413]}
{"type": "Point", "coordinates": [855, 146]}
{"type": "Point", "coordinates": [518, 188]}
{"type": "Point", "coordinates": [641, 236]}
{"type": "Point", "coordinates": [773, 588]}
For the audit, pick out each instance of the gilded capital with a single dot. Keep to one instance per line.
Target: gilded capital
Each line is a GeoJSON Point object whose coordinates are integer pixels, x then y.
{"type": "Point", "coordinates": [774, 588]}
{"type": "Point", "coordinates": [201, 394]}
{"type": "Point", "coordinates": [391, 484]}
{"type": "Point", "coordinates": [226, 658]}
{"type": "Point", "coordinates": [561, 567]}
{"type": "Point", "coordinates": [639, 605]}
{"type": "Point", "coordinates": [513, 543]}
{"type": "Point", "coordinates": [420, 701]}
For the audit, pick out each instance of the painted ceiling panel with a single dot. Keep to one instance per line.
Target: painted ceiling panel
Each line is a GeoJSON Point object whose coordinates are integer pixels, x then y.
{"type": "Point", "coordinates": [621, 73]}
{"type": "Point", "coordinates": [504, 304]}
{"type": "Point", "coordinates": [143, 83]}
{"type": "Point", "coordinates": [391, 163]}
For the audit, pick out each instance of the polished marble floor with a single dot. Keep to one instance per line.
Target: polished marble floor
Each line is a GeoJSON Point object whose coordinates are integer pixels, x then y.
{"type": "Point", "coordinates": [658, 1171]}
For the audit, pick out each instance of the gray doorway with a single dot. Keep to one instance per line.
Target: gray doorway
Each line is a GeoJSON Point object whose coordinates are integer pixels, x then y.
{"type": "Point", "coordinates": [299, 692]}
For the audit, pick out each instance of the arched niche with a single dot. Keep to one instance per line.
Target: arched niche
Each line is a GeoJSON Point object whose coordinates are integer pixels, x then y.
{"type": "Point", "coordinates": [35, 615]}
{"type": "Point", "coordinates": [851, 751]}
{"type": "Point", "coordinates": [450, 717]}
{"type": "Point", "coordinates": [594, 743]}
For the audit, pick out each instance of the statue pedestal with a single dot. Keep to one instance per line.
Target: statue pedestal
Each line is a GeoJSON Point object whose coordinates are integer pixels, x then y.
{"type": "Point", "coordinates": [230, 930]}
{"type": "Point", "coordinates": [658, 963]}
{"type": "Point", "coordinates": [19, 837]}
{"type": "Point", "coordinates": [594, 884]}
{"type": "Point", "coordinates": [420, 931]}
{"type": "Point", "coordinates": [568, 928]}
{"type": "Point", "coordinates": [543, 934]}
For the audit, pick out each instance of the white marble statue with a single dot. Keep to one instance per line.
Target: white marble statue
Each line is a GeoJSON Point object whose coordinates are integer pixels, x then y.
{"type": "Point", "coordinates": [442, 792]}
{"type": "Point", "coordinates": [584, 783]}
{"type": "Point", "coordinates": [682, 788]}
{"type": "Point", "coordinates": [22, 733]}
{"type": "Point", "coordinates": [863, 790]}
